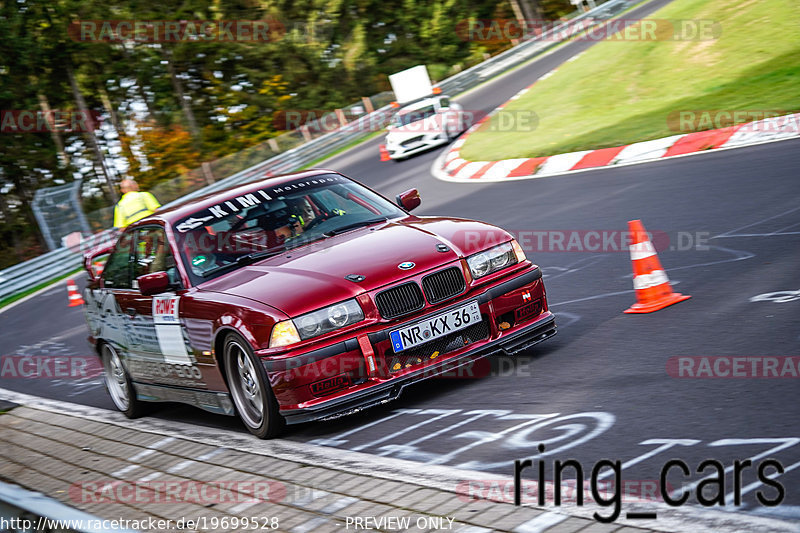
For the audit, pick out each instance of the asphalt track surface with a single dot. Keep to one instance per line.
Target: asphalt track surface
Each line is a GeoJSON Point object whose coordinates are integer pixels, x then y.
{"type": "Point", "coordinates": [599, 389]}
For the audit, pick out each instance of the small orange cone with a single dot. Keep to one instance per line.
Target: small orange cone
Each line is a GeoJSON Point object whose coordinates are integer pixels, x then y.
{"type": "Point", "coordinates": [384, 153]}
{"type": "Point", "coordinates": [653, 291]}
{"type": "Point", "coordinates": [74, 296]}
{"type": "Point", "coordinates": [97, 268]}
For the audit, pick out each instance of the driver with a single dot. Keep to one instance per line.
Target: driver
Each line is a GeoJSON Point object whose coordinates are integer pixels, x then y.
{"type": "Point", "coordinates": [294, 217]}
{"type": "Point", "coordinates": [299, 215]}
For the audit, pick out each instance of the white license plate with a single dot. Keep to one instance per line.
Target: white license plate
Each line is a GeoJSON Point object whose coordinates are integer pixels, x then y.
{"type": "Point", "coordinates": [435, 327]}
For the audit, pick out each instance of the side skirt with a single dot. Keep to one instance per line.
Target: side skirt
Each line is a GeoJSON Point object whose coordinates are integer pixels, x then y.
{"type": "Point", "coordinates": [214, 402]}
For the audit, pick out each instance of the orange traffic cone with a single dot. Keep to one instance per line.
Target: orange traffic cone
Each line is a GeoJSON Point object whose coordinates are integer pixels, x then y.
{"type": "Point", "coordinates": [653, 291]}
{"type": "Point", "coordinates": [384, 153]}
{"type": "Point", "coordinates": [97, 268]}
{"type": "Point", "coordinates": [74, 296]}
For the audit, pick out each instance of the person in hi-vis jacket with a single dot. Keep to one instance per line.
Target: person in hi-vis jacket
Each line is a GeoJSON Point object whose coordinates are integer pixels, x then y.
{"type": "Point", "coordinates": [133, 205]}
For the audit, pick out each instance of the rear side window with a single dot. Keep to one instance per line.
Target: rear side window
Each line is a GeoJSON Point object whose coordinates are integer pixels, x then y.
{"type": "Point", "coordinates": [117, 271]}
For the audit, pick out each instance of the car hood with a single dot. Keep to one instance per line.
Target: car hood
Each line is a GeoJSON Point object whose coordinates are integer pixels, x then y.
{"type": "Point", "coordinates": [313, 276]}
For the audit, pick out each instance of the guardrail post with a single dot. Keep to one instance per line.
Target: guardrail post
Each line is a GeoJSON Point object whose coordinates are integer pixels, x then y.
{"type": "Point", "coordinates": [367, 104]}
{"type": "Point", "coordinates": [207, 172]}
{"type": "Point", "coordinates": [341, 117]}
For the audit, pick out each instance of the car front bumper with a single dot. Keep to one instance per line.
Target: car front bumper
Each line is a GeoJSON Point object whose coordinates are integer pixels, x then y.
{"type": "Point", "coordinates": [293, 378]}
{"type": "Point", "coordinates": [391, 390]}
{"type": "Point", "coordinates": [397, 151]}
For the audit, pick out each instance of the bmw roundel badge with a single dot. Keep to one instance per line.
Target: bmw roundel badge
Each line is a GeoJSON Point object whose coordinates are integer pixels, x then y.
{"type": "Point", "coordinates": [406, 265]}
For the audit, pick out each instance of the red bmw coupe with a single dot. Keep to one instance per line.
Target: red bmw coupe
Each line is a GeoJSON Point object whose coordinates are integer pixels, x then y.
{"type": "Point", "coordinates": [304, 297]}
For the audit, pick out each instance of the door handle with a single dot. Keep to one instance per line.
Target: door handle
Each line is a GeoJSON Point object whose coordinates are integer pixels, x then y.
{"type": "Point", "coordinates": [130, 311]}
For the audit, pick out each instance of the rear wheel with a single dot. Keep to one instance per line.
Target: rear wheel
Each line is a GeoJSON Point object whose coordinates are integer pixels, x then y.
{"type": "Point", "coordinates": [119, 385]}
{"type": "Point", "coordinates": [252, 395]}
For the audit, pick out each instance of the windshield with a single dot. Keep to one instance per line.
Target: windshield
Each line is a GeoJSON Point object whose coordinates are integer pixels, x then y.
{"type": "Point", "coordinates": [403, 119]}
{"type": "Point", "coordinates": [271, 220]}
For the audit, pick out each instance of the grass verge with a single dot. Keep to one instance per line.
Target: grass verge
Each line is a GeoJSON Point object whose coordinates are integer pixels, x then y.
{"type": "Point", "coordinates": [623, 91]}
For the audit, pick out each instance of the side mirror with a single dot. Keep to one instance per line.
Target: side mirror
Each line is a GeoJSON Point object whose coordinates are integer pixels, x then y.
{"type": "Point", "coordinates": [409, 200]}
{"type": "Point", "coordinates": [155, 283]}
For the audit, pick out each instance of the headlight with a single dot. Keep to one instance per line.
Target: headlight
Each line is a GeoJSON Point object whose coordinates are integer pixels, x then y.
{"type": "Point", "coordinates": [495, 259]}
{"type": "Point", "coordinates": [283, 334]}
{"type": "Point", "coordinates": [318, 322]}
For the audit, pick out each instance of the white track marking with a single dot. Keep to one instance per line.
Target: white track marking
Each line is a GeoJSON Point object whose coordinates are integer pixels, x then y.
{"type": "Point", "coordinates": [728, 233]}
{"type": "Point", "coordinates": [483, 437]}
{"type": "Point", "coordinates": [121, 472]}
{"type": "Point", "coordinates": [338, 439]}
{"type": "Point", "coordinates": [565, 319]}
{"type": "Point", "coordinates": [738, 255]}
{"type": "Point", "coordinates": [754, 485]}
{"type": "Point", "coordinates": [476, 416]}
{"type": "Point", "coordinates": [442, 413]}
{"type": "Point", "coordinates": [149, 477]}
{"type": "Point", "coordinates": [338, 505]}
{"type": "Point", "coordinates": [778, 297]}
{"type": "Point", "coordinates": [757, 235]}
{"type": "Point", "coordinates": [574, 267]}
{"type": "Point", "coordinates": [212, 454]}
{"type": "Point", "coordinates": [596, 297]}
{"type": "Point", "coordinates": [787, 442]}
{"type": "Point", "coordinates": [181, 466]}
{"type": "Point", "coordinates": [782, 231]}
{"type": "Point", "coordinates": [151, 449]}
{"type": "Point", "coordinates": [541, 523]}
{"type": "Point", "coordinates": [666, 444]}
{"type": "Point", "coordinates": [519, 440]}
{"type": "Point", "coordinates": [141, 455]}
{"type": "Point", "coordinates": [161, 443]}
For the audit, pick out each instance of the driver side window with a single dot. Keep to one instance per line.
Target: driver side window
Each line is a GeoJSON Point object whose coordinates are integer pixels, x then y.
{"type": "Point", "coordinates": [152, 254]}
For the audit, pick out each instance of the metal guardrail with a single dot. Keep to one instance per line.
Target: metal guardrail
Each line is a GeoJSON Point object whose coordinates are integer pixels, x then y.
{"type": "Point", "coordinates": [29, 274]}
{"type": "Point", "coordinates": [60, 262]}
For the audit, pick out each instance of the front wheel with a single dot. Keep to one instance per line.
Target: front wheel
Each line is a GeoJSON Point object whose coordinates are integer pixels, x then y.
{"type": "Point", "coordinates": [249, 387]}
{"type": "Point", "coordinates": [119, 384]}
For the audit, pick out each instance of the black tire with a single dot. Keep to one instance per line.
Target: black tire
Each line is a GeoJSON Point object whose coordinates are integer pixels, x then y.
{"type": "Point", "coordinates": [119, 385]}
{"type": "Point", "coordinates": [250, 390]}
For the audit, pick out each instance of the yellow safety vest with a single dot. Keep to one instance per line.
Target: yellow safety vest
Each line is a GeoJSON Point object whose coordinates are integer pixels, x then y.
{"type": "Point", "coordinates": [133, 206]}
